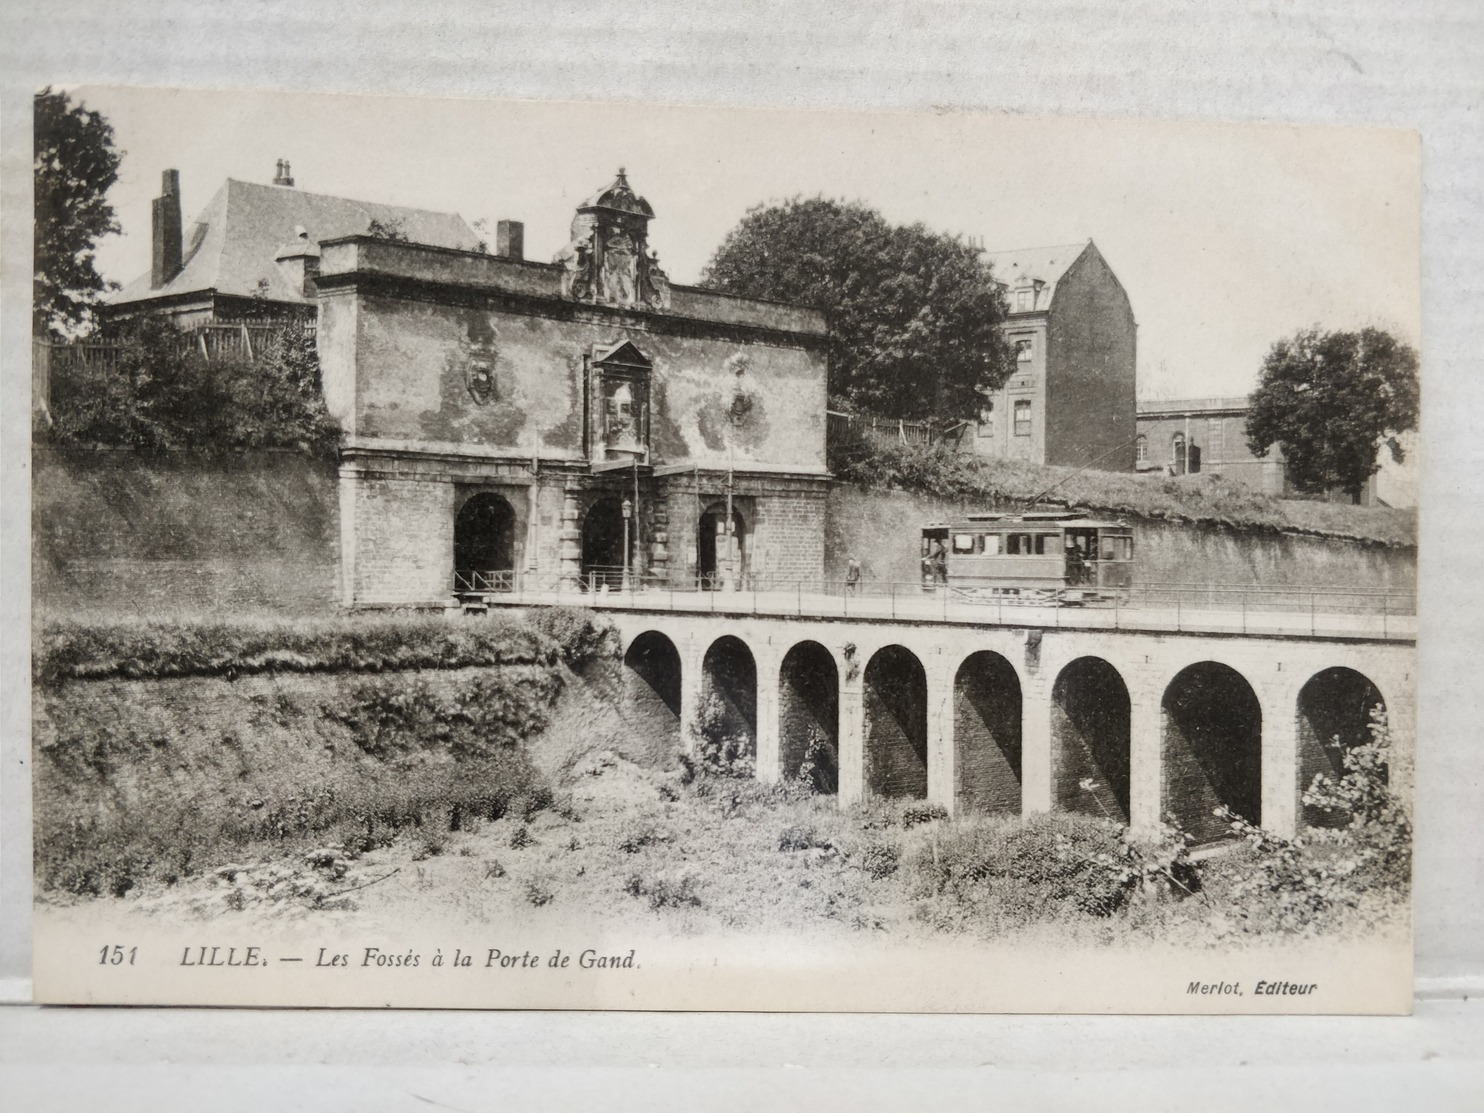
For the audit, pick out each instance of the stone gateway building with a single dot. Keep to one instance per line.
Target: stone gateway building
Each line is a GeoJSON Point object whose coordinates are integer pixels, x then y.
{"type": "Point", "coordinates": [583, 423]}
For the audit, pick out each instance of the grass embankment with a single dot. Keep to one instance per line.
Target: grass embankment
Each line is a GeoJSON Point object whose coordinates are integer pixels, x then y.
{"type": "Point", "coordinates": [1198, 498]}
{"type": "Point", "coordinates": [164, 748]}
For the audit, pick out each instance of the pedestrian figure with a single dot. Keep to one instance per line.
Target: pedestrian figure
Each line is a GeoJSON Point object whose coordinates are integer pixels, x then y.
{"type": "Point", "coordinates": [852, 575]}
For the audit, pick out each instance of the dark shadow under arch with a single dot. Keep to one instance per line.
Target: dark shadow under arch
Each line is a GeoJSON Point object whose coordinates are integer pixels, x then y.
{"type": "Point", "coordinates": [809, 716]}
{"type": "Point", "coordinates": [728, 712]}
{"type": "Point", "coordinates": [1334, 715]}
{"type": "Point", "coordinates": [1090, 715]}
{"type": "Point", "coordinates": [986, 734]}
{"type": "Point", "coordinates": [1212, 749]}
{"type": "Point", "coordinates": [896, 725]}
{"type": "Point", "coordinates": [651, 693]}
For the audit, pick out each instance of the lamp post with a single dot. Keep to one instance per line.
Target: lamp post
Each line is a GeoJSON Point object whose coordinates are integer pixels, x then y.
{"type": "Point", "coordinates": [628, 512]}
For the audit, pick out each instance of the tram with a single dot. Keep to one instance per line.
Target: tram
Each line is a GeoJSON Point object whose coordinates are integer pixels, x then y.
{"type": "Point", "coordinates": [1065, 558]}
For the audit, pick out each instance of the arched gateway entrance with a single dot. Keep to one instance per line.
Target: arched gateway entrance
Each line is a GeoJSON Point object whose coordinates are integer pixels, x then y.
{"type": "Point", "coordinates": [603, 545]}
{"type": "Point", "coordinates": [484, 544]}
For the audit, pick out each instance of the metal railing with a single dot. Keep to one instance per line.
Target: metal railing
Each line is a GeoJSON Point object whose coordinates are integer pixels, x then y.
{"type": "Point", "coordinates": [1159, 607]}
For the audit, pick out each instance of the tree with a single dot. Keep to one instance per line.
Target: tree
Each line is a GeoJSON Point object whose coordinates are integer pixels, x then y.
{"type": "Point", "coordinates": [75, 165]}
{"type": "Point", "coordinates": [1330, 401]}
{"type": "Point", "coordinates": [914, 315]}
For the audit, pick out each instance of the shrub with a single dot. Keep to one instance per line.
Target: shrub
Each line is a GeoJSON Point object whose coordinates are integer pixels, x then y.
{"type": "Point", "coordinates": [162, 393]}
{"type": "Point", "coordinates": [538, 891]}
{"type": "Point", "coordinates": [722, 744]}
{"type": "Point", "coordinates": [1313, 882]}
{"type": "Point", "coordinates": [795, 838]}
{"type": "Point", "coordinates": [664, 890]}
{"type": "Point", "coordinates": [521, 838]}
{"type": "Point", "coordinates": [918, 814]}
{"type": "Point", "coordinates": [580, 634]}
{"type": "Point", "coordinates": [1042, 868]}
{"type": "Point", "coordinates": [879, 859]}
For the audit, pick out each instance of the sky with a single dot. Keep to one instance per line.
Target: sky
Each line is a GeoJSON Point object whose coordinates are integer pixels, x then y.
{"type": "Point", "coordinates": [1226, 237]}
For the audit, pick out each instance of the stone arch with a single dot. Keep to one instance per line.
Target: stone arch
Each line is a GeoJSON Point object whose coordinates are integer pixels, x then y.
{"type": "Point", "coordinates": [652, 678]}
{"type": "Point", "coordinates": [727, 717]}
{"type": "Point", "coordinates": [1090, 720]}
{"type": "Point", "coordinates": [1211, 753]}
{"type": "Point", "coordinates": [484, 543]}
{"type": "Point", "coordinates": [986, 734]}
{"type": "Point", "coordinates": [896, 724]}
{"type": "Point", "coordinates": [603, 544]}
{"type": "Point", "coordinates": [809, 715]}
{"type": "Point", "coordinates": [1334, 715]}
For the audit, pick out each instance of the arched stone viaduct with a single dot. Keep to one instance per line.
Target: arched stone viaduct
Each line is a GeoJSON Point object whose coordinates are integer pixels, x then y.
{"type": "Point", "coordinates": [1130, 725]}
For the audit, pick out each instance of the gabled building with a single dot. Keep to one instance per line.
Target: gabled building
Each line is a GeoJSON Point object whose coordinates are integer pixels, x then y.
{"type": "Point", "coordinates": [1071, 399]}
{"type": "Point", "coordinates": [252, 253]}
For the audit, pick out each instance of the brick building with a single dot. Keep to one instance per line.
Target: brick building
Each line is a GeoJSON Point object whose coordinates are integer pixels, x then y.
{"type": "Point", "coordinates": [582, 422]}
{"type": "Point", "coordinates": [1070, 400]}
{"type": "Point", "coordinates": [1181, 436]}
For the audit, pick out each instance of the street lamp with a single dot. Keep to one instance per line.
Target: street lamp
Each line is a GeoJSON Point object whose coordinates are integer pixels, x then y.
{"type": "Point", "coordinates": [628, 512]}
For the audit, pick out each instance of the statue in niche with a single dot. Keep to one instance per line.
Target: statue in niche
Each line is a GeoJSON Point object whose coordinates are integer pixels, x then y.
{"type": "Point", "coordinates": [577, 259]}
{"type": "Point", "coordinates": [620, 270]}
{"type": "Point", "coordinates": [621, 428]}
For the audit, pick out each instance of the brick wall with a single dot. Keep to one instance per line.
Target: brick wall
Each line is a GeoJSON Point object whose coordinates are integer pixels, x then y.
{"type": "Point", "coordinates": [896, 725]}
{"type": "Point", "coordinates": [399, 531]}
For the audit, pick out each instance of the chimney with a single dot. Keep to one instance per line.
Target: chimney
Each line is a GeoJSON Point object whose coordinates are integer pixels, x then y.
{"type": "Point", "coordinates": [165, 260]}
{"type": "Point", "coordinates": [283, 177]}
{"type": "Point", "coordinates": [510, 239]}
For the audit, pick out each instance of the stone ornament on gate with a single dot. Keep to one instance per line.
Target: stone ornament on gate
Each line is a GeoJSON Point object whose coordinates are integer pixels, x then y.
{"type": "Point", "coordinates": [608, 260]}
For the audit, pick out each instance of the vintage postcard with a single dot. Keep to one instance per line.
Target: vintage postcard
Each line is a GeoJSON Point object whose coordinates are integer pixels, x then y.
{"type": "Point", "coordinates": [514, 554]}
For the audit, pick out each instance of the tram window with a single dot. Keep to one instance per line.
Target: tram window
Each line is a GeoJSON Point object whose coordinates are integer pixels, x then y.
{"type": "Point", "coordinates": [991, 544]}
{"type": "Point", "coordinates": [1018, 544]}
{"type": "Point", "coordinates": [963, 544]}
{"type": "Point", "coordinates": [1046, 544]}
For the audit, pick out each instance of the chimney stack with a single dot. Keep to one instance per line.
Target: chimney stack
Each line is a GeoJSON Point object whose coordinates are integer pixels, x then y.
{"type": "Point", "coordinates": [510, 239]}
{"type": "Point", "coordinates": [165, 260]}
{"type": "Point", "coordinates": [283, 177]}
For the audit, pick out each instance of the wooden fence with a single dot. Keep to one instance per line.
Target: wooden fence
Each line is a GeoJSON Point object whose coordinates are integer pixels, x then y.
{"type": "Point", "coordinates": [909, 432]}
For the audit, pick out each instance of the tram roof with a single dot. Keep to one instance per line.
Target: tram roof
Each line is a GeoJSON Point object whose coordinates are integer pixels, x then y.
{"type": "Point", "coordinates": [1036, 519]}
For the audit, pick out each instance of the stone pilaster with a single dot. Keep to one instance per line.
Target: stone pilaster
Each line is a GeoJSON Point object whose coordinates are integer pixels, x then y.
{"type": "Point", "coordinates": [571, 539]}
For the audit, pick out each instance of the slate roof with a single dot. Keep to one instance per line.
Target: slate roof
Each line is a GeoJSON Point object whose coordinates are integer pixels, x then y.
{"type": "Point", "coordinates": [234, 241]}
{"type": "Point", "coordinates": [1046, 264]}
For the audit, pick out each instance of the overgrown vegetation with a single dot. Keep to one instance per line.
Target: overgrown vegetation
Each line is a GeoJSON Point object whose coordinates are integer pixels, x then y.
{"type": "Point", "coordinates": [157, 392]}
{"type": "Point", "coordinates": [1329, 875]}
{"type": "Point", "coordinates": [143, 649]}
{"type": "Point", "coordinates": [346, 734]}
{"type": "Point", "coordinates": [878, 462]}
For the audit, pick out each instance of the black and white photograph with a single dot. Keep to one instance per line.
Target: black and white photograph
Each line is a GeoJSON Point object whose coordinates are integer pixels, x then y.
{"type": "Point", "coordinates": [527, 554]}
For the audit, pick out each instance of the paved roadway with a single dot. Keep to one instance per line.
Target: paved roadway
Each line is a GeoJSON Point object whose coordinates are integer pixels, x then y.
{"type": "Point", "coordinates": [945, 609]}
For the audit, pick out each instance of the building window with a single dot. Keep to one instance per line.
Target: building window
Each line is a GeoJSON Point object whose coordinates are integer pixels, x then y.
{"type": "Point", "coordinates": [1177, 452]}
{"type": "Point", "coordinates": [986, 420]}
{"type": "Point", "coordinates": [1141, 450]}
{"type": "Point", "coordinates": [1025, 299]}
{"type": "Point", "coordinates": [1024, 350]}
{"type": "Point", "coordinates": [1022, 418]}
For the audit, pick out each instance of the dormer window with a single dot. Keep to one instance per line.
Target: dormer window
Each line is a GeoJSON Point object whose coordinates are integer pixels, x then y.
{"type": "Point", "coordinates": [1025, 299]}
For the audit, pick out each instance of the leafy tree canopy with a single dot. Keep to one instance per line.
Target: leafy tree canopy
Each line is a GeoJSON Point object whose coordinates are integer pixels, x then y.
{"type": "Point", "coordinates": [914, 314]}
{"type": "Point", "coordinates": [1330, 401]}
{"type": "Point", "coordinates": [75, 164]}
